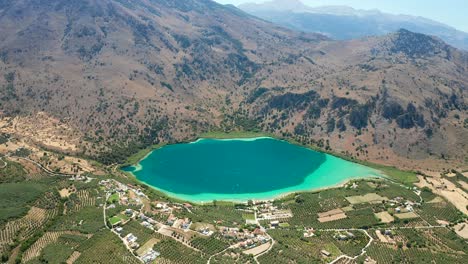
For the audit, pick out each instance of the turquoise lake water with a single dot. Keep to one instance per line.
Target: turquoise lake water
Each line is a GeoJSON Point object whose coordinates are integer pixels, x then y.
{"type": "Point", "coordinates": [242, 169]}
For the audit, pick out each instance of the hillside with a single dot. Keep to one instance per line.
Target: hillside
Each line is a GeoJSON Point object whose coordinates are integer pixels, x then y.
{"type": "Point", "coordinates": [342, 22]}
{"type": "Point", "coordinates": [127, 74]}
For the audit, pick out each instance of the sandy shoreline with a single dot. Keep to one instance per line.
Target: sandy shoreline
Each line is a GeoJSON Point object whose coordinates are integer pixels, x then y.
{"type": "Point", "coordinates": [181, 197]}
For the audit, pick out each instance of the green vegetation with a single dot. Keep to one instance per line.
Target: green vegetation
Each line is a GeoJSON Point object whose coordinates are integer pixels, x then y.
{"type": "Point", "coordinates": [405, 177]}
{"type": "Point", "coordinates": [233, 134]}
{"type": "Point", "coordinates": [80, 213]}
{"type": "Point", "coordinates": [3, 138]}
{"type": "Point", "coordinates": [141, 154]}
{"type": "Point", "coordinates": [87, 220]}
{"type": "Point", "coordinates": [248, 216]}
{"type": "Point", "coordinates": [232, 256]}
{"type": "Point", "coordinates": [119, 153]}
{"type": "Point", "coordinates": [15, 198]}
{"type": "Point", "coordinates": [113, 198]}
{"type": "Point", "coordinates": [56, 253]}
{"type": "Point", "coordinates": [432, 212]}
{"type": "Point", "coordinates": [133, 227]}
{"type": "Point", "coordinates": [384, 253]}
{"type": "Point", "coordinates": [104, 247]}
{"type": "Point", "coordinates": [175, 252]}
{"type": "Point", "coordinates": [291, 248]}
{"type": "Point", "coordinates": [307, 206]}
{"type": "Point", "coordinates": [438, 245]}
{"type": "Point", "coordinates": [13, 172]}
{"type": "Point", "coordinates": [209, 245]}
{"type": "Point", "coordinates": [115, 220]}
{"type": "Point", "coordinates": [224, 214]}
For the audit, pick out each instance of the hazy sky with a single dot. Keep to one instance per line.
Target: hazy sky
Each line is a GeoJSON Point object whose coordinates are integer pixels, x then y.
{"type": "Point", "coordinates": [451, 12]}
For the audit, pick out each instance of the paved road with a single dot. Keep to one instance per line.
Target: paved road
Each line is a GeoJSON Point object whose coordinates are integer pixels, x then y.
{"type": "Point", "coordinates": [46, 170]}
{"type": "Point", "coordinates": [363, 251]}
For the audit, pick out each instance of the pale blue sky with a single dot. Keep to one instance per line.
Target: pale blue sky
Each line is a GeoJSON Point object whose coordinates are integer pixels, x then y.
{"type": "Point", "coordinates": [450, 12]}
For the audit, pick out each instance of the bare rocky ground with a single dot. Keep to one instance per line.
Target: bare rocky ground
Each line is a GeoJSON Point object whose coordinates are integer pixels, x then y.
{"type": "Point", "coordinates": [117, 73]}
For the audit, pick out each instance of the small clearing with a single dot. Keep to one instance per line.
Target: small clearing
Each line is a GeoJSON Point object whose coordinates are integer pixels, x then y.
{"type": "Point", "coordinates": [332, 215]}
{"type": "Point", "coordinates": [462, 230]}
{"type": "Point", "coordinates": [381, 237]}
{"type": "Point", "coordinates": [147, 246]}
{"type": "Point", "coordinates": [464, 185]}
{"type": "Point", "coordinates": [408, 215]}
{"type": "Point", "coordinates": [73, 257]}
{"type": "Point", "coordinates": [66, 192]}
{"type": "Point", "coordinates": [372, 198]}
{"type": "Point", "coordinates": [385, 217]}
{"type": "Point", "coordinates": [257, 250]}
{"type": "Point", "coordinates": [438, 199]}
{"type": "Point", "coordinates": [347, 208]}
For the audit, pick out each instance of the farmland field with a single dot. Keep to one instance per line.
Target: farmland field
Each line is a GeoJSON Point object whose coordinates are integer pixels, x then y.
{"type": "Point", "coordinates": [45, 227]}
{"type": "Point", "coordinates": [16, 198]}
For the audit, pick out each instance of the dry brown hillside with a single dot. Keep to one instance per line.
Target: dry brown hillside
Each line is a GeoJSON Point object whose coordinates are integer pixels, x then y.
{"type": "Point", "coordinates": [136, 72]}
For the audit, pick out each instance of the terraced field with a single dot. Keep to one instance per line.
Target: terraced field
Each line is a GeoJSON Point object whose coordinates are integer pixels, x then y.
{"type": "Point", "coordinates": [26, 226]}
{"type": "Point", "coordinates": [48, 238]}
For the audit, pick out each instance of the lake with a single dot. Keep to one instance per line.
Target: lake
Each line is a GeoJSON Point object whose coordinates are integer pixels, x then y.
{"type": "Point", "coordinates": [242, 169]}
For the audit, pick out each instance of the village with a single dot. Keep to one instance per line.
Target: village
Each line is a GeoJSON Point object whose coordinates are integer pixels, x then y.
{"type": "Point", "coordinates": [250, 237]}
{"type": "Point", "coordinates": [159, 217]}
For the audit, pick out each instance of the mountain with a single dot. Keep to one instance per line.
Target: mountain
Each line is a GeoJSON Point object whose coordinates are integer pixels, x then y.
{"type": "Point", "coordinates": [278, 5]}
{"type": "Point", "coordinates": [342, 22]}
{"type": "Point", "coordinates": [127, 74]}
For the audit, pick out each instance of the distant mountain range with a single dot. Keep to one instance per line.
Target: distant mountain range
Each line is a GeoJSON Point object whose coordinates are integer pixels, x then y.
{"type": "Point", "coordinates": [342, 22]}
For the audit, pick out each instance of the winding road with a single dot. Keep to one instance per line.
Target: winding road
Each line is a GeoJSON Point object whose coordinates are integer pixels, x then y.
{"type": "Point", "coordinates": [46, 170]}
{"type": "Point", "coordinates": [4, 163]}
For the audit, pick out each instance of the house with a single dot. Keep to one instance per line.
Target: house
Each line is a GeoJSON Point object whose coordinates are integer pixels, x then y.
{"type": "Point", "coordinates": [309, 233]}
{"type": "Point", "coordinates": [341, 237]}
{"type": "Point", "coordinates": [206, 232]}
{"type": "Point", "coordinates": [258, 232]}
{"type": "Point", "coordinates": [131, 238]}
{"type": "Point", "coordinates": [409, 208]}
{"type": "Point", "coordinates": [139, 193]}
{"type": "Point", "coordinates": [147, 225]}
{"type": "Point", "coordinates": [170, 221]}
{"type": "Point", "coordinates": [104, 182]}
{"type": "Point", "coordinates": [124, 200]}
{"type": "Point", "coordinates": [129, 212]}
{"type": "Point", "coordinates": [149, 256]}
{"type": "Point", "coordinates": [143, 217]}
{"type": "Point", "coordinates": [161, 206]}
{"type": "Point", "coordinates": [186, 223]}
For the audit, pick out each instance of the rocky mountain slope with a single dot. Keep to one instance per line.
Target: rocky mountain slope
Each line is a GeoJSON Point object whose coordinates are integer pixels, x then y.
{"type": "Point", "coordinates": [342, 22]}
{"type": "Point", "coordinates": [132, 73]}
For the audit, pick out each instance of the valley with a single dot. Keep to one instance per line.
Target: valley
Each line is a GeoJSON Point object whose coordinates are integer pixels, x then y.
{"type": "Point", "coordinates": [91, 88]}
{"type": "Point", "coordinates": [126, 76]}
{"type": "Point", "coordinates": [96, 210]}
